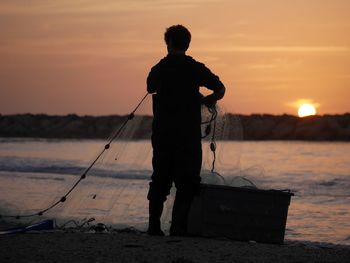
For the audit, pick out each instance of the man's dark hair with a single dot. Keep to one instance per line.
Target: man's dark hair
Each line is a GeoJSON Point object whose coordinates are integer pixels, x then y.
{"type": "Point", "coordinates": [179, 36]}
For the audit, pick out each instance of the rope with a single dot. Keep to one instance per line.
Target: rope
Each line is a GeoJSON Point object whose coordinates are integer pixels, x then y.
{"type": "Point", "coordinates": [84, 174]}
{"type": "Point", "coordinates": [211, 128]}
{"type": "Point", "coordinates": [77, 225]}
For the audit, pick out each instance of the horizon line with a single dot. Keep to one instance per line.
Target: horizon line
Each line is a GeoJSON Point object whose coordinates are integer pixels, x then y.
{"type": "Point", "coordinates": [126, 114]}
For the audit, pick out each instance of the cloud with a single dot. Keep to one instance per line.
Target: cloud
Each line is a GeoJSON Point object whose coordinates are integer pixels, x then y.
{"type": "Point", "coordinates": [281, 49]}
{"type": "Point", "coordinates": [95, 7]}
{"type": "Point", "coordinates": [275, 64]}
{"type": "Point", "coordinates": [299, 102]}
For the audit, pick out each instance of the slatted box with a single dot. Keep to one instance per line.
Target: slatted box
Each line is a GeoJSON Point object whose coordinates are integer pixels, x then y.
{"type": "Point", "coordinates": [240, 213]}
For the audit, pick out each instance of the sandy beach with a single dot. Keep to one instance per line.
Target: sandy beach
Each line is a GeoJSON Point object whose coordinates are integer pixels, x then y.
{"type": "Point", "coordinates": [132, 246]}
{"type": "Point", "coordinates": [318, 212]}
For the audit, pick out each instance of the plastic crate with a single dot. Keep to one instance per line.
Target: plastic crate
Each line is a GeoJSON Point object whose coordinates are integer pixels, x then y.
{"type": "Point", "coordinates": [240, 213]}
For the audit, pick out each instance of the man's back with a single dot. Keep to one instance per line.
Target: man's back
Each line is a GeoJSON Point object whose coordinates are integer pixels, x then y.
{"type": "Point", "coordinates": [176, 106]}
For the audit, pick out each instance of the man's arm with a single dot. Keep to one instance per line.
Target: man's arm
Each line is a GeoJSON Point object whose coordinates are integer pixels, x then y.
{"type": "Point", "coordinates": [153, 81]}
{"type": "Point", "coordinates": [212, 82]}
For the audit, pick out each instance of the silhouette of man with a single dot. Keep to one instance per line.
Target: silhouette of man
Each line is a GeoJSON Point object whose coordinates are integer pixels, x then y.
{"type": "Point", "coordinates": [176, 131]}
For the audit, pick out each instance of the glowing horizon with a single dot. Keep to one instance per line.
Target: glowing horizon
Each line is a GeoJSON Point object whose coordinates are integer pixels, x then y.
{"type": "Point", "coordinates": [92, 58]}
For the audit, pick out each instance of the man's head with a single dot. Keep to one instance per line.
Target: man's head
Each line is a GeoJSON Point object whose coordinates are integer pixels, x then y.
{"type": "Point", "coordinates": [177, 38]}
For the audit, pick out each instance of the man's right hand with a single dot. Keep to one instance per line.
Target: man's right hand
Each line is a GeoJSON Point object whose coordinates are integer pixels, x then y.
{"type": "Point", "coordinates": [209, 101]}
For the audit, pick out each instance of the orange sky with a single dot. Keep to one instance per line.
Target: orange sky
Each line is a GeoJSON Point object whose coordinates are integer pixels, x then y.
{"type": "Point", "coordinates": [92, 57]}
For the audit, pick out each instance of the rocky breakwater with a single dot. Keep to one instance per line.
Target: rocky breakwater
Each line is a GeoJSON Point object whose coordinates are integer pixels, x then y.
{"type": "Point", "coordinates": [255, 127]}
{"type": "Point", "coordinates": [288, 127]}
{"type": "Point", "coordinates": [69, 126]}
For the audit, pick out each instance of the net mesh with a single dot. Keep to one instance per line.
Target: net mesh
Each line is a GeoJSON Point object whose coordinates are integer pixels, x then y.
{"type": "Point", "coordinates": [116, 187]}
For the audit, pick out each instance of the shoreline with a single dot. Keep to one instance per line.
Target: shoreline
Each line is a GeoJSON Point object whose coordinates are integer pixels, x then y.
{"type": "Point", "coordinates": [132, 246]}
{"type": "Point", "coordinates": [299, 227]}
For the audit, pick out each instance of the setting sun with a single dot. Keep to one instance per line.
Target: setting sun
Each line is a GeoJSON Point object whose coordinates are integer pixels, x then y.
{"type": "Point", "coordinates": [306, 110]}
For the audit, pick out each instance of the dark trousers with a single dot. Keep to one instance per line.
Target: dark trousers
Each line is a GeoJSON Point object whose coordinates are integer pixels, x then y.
{"type": "Point", "coordinates": [180, 163]}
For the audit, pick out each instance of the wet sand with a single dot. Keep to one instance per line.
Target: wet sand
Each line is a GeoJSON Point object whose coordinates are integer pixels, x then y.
{"type": "Point", "coordinates": [129, 246]}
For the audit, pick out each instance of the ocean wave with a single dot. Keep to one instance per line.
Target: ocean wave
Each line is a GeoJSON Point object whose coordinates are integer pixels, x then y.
{"type": "Point", "coordinates": [45, 178]}
{"type": "Point", "coordinates": [64, 167]}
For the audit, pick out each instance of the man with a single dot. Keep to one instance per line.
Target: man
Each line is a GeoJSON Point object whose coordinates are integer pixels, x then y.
{"type": "Point", "coordinates": [176, 131]}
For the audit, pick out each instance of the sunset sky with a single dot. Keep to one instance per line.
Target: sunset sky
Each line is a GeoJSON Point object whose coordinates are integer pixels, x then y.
{"type": "Point", "coordinates": [92, 57]}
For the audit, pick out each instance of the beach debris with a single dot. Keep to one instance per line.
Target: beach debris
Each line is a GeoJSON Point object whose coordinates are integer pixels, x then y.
{"type": "Point", "coordinates": [39, 226]}
{"type": "Point", "coordinates": [100, 228]}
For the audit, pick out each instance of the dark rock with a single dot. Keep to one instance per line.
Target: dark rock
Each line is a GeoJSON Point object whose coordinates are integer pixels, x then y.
{"type": "Point", "coordinates": [237, 127]}
{"type": "Point", "coordinates": [284, 130]}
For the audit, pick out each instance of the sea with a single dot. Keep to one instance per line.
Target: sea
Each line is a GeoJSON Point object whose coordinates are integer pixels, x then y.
{"type": "Point", "coordinates": [35, 173]}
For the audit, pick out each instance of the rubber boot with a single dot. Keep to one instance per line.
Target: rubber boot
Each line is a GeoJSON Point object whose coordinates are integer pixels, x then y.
{"type": "Point", "coordinates": [180, 213]}
{"type": "Point", "coordinates": [155, 212]}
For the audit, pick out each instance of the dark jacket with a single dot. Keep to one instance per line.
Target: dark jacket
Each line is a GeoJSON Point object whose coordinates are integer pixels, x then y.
{"type": "Point", "coordinates": [175, 80]}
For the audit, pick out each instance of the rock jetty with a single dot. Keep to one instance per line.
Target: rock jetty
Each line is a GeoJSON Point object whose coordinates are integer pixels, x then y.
{"type": "Point", "coordinates": [254, 127]}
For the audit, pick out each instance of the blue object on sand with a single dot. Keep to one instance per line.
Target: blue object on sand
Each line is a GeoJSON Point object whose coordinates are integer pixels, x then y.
{"type": "Point", "coordinates": [43, 225]}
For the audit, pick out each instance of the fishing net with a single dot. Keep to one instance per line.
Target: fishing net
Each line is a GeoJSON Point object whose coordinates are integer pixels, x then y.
{"type": "Point", "coordinates": [110, 179]}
